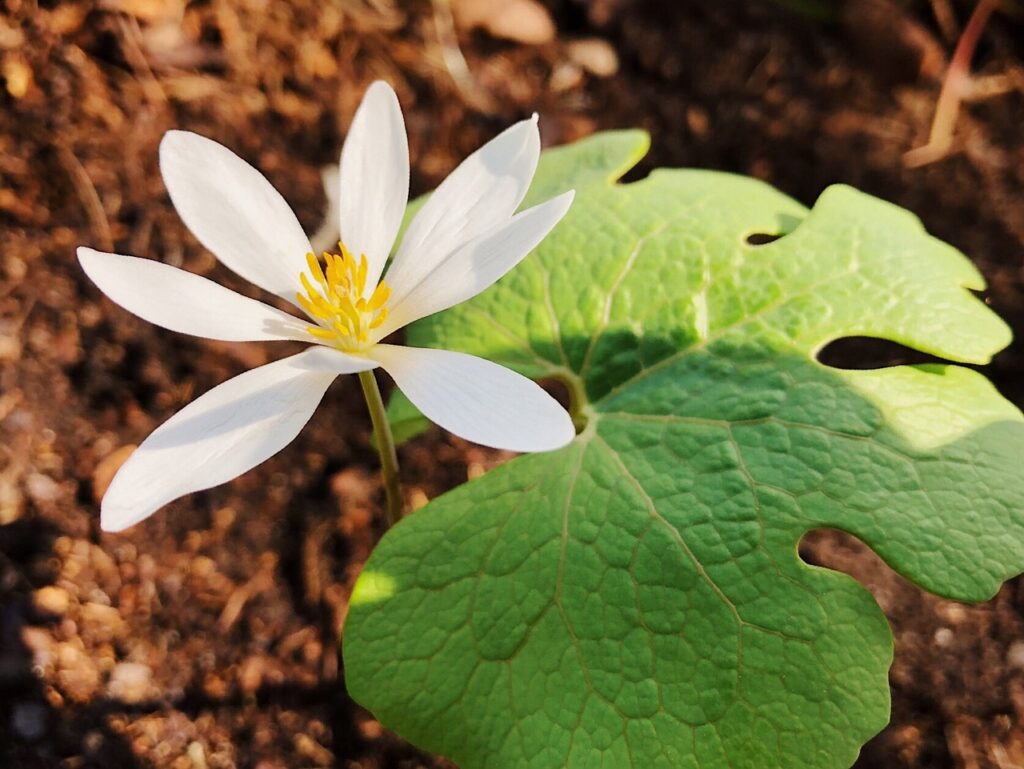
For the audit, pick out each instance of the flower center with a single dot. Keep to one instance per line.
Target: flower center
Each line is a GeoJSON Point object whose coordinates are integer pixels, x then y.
{"type": "Point", "coordinates": [334, 298]}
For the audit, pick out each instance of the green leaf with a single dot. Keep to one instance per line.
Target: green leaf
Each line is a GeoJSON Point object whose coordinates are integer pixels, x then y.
{"type": "Point", "coordinates": [637, 598]}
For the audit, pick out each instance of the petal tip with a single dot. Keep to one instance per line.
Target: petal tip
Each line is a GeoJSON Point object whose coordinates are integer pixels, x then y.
{"type": "Point", "coordinates": [173, 137]}
{"type": "Point", "coordinates": [562, 434]}
{"type": "Point", "coordinates": [125, 501]}
{"type": "Point", "coordinates": [568, 431]}
{"type": "Point", "coordinates": [380, 86]}
{"type": "Point", "coordinates": [563, 202]}
{"type": "Point", "coordinates": [114, 520]}
{"type": "Point", "coordinates": [180, 134]}
{"type": "Point", "coordinates": [94, 263]}
{"type": "Point", "coordinates": [176, 143]}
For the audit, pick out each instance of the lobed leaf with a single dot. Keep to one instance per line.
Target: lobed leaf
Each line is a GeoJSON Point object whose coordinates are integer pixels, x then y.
{"type": "Point", "coordinates": [637, 598]}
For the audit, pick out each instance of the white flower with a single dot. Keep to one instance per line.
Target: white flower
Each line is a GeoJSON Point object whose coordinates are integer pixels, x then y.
{"type": "Point", "coordinates": [463, 239]}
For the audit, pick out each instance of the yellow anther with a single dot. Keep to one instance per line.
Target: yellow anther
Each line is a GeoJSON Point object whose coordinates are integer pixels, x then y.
{"type": "Point", "coordinates": [314, 269]}
{"type": "Point", "coordinates": [321, 333]}
{"type": "Point", "coordinates": [306, 305]}
{"type": "Point", "coordinates": [361, 274]}
{"type": "Point", "coordinates": [334, 298]}
{"type": "Point", "coordinates": [337, 275]}
{"type": "Point", "coordinates": [306, 285]}
{"type": "Point", "coordinates": [380, 297]}
{"type": "Point", "coordinates": [348, 311]}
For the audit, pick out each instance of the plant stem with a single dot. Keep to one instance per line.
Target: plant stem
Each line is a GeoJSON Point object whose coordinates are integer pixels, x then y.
{"type": "Point", "coordinates": [956, 82]}
{"type": "Point", "coordinates": [385, 446]}
{"type": "Point", "coordinates": [578, 404]}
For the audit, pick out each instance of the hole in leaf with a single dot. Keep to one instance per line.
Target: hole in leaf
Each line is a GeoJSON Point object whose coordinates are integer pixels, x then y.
{"type": "Point", "coordinates": [784, 224]}
{"type": "Point", "coordinates": [864, 352]}
{"type": "Point", "coordinates": [762, 238]}
{"type": "Point", "coordinates": [638, 173]}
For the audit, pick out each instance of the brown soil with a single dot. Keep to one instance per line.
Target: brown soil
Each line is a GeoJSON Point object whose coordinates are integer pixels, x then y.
{"type": "Point", "coordinates": [205, 636]}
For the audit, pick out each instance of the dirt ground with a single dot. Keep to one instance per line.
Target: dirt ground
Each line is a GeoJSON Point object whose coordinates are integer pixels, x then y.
{"type": "Point", "coordinates": [204, 637]}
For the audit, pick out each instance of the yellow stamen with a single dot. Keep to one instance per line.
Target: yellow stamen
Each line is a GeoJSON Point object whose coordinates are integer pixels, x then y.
{"type": "Point", "coordinates": [379, 297]}
{"type": "Point", "coordinates": [351, 313]}
{"type": "Point", "coordinates": [334, 298]}
{"type": "Point", "coordinates": [321, 333]}
{"type": "Point", "coordinates": [314, 270]}
{"type": "Point", "coordinates": [306, 285]}
{"type": "Point", "coordinates": [361, 274]}
{"type": "Point", "coordinates": [305, 304]}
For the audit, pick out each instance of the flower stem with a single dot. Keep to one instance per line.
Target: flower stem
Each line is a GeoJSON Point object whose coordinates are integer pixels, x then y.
{"type": "Point", "coordinates": [385, 446]}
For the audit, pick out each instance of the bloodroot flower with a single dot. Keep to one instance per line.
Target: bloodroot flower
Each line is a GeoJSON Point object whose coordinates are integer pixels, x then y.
{"type": "Point", "coordinates": [464, 238]}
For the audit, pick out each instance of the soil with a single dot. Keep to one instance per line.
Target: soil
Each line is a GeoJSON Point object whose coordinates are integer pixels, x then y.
{"type": "Point", "coordinates": [204, 637]}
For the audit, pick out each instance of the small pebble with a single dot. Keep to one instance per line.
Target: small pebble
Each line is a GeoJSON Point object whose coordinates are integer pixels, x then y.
{"type": "Point", "coordinates": [214, 686]}
{"type": "Point", "coordinates": [11, 502]}
{"type": "Point", "coordinates": [371, 729]}
{"type": "Point", "coordinates": [92, 742]}
{"type": "Point", "coordinates": [951, 612]}
{"type": "Point", "coordinates": [104, 623]}
{"type": "Point", "coordinates": [28, 720]}
{"type": "Point", "coordinates": [131, 682]}
{"type": "Point", "coordinates": [250, 674]}
{"type": "Point", "coordinates": [565, 77]}
{"type": "Point", "coordinates": [51, 600]}
{"type": "Point", "coordinates": [1015, 655]}
{"type": "Point", "coordinates": [522, 21]}
{"type": "Point", "coordinates": [596, 56]}
{"type": "Point", "coordinates": [943, 637]}
{"type": "Point", "coordinates": [698, 121]}
{"type": "Point", "coordinates": [40, 643]}
{"type": "Point", "coordinates": [42, 489]}
{"type": "Point", "coordinates": [15, 267]}
{"type": "Point", "coordinates": [197, 755]}
{"type": "Point", "coordinates": [78, 677]}
{"type": "Point", "coordinates": [17, 74]}
{"type": "Point", "coordinates": [312, 750]}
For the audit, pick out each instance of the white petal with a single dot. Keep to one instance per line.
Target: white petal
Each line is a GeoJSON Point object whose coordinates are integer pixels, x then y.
{"type": "Point", "coordinates": [476, 399]}
{"type": "Point", "coordinates": [326, 236]}
{"type": "Point", "coordinates": [374, 180]}
{"type": "Point", "coordinates": [187, 303]}
{"type": "Point", "coordinates": [234, 212]}
{"type": "Point", "coordinates": [483, 192]}
{"type": "Point", "coordinates": [478, 264]}
{"type": "Point", "coordinates": [225, 432]}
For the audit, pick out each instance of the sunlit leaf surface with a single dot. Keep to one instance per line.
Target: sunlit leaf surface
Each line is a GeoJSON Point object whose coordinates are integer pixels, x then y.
{"type": "Point", "coordinates": [636, 599]}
